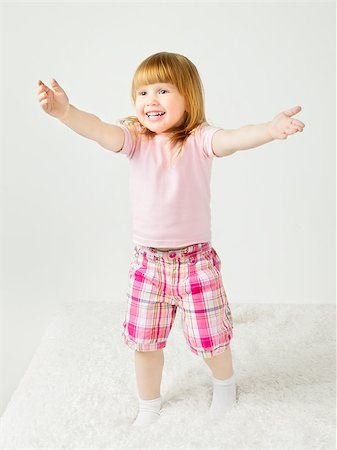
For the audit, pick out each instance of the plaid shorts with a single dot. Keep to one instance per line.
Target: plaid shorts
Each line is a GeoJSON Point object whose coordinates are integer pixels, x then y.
{"type": "Point", "coordinates": [187, 278]}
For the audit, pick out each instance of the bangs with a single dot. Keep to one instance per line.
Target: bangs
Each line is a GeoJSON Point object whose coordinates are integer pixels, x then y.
{"type": "Point", "coordinates": [153, 71]}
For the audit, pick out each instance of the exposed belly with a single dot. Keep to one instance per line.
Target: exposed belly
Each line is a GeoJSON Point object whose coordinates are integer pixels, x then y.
{"type": "Point", "coordinates": [167, 249]}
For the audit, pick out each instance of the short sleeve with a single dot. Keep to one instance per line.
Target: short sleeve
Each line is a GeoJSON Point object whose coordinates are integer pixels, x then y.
{"type": "Point", "coordinates": [129, 142]}
{"type": "Point", "coordinates": [206, 134]}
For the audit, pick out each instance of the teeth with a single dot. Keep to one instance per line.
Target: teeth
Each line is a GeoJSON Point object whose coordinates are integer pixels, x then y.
{"type": "Point", "coordinates": [155, 114]}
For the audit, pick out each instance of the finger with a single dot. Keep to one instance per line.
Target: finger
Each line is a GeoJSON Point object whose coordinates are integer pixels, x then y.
{"type": "Point", "coordinates": [43, 96]}
{"type": "Point", "coordinates": [298, 123]}
{"type": "Point", "coordinates": [291, 128]}
{"type": "Point", "coordinates": [44, 104]}
{"type": "Point", "coordinates": [43, 87]}
{"type": "Point", "coordinates": [55, 85]}
{"type": "Point", "coordinates": [292, 111]}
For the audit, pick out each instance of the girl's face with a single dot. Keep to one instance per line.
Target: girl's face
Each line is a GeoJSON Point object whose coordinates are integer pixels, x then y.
{"type": "Point", "coordinates": [160, 106]}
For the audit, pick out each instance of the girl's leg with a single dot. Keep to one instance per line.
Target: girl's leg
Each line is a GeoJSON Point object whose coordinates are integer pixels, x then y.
{"type": "Point", "coordinates": [221, 365]}
{"type": "Point", "coordinates": [149, 369]}
{"type": "Point", "coordinates": [224, 385]}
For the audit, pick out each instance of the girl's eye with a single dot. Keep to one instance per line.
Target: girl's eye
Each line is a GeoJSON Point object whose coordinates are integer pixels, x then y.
{"type": "Point", "coordinates": [142, 93]}
{"type": "Point", "coordinates": [163, 90]}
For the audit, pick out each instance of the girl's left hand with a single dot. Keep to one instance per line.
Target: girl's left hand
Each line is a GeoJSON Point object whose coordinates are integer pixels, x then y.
{"type": "Point", "coordinates": [283, 125]}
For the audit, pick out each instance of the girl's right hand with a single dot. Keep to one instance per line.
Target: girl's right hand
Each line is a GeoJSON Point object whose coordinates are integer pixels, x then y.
{"type": "Point", "coordinates": [53, 101]}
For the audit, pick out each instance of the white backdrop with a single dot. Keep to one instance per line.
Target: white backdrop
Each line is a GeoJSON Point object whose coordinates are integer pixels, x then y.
{"type": "Point", "coordinates": [66, 218]}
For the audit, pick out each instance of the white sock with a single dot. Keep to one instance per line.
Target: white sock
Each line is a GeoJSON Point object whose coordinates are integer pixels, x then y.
{"type": "Point", "coordinates": [149, 411]}
{"type": "Point", "coordinates": [224, 394]}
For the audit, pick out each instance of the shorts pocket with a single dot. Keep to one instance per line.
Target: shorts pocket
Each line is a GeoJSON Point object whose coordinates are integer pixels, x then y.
{"type": "Point", "coordinates": [134, 266]}
{"type": "Point", "coordinates": [143, 272]}
{"type": "Point", "coordinates": [215, 261]}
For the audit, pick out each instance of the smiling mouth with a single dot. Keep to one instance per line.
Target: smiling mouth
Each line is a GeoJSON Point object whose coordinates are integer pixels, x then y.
{"type": "Point", "coordinates": [157, 114]}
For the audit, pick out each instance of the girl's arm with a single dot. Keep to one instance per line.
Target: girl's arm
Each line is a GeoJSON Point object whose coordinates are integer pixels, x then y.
{"type": "Point", "coordinates": [92, 127]}
{"type": "Point", "coordinates": [55, 102]}
{"type": "Point", "coordinates": [226, 142]}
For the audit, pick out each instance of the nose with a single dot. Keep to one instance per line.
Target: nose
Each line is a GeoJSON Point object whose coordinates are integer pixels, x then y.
{"type": "Point", "coordinates": [151, 100]}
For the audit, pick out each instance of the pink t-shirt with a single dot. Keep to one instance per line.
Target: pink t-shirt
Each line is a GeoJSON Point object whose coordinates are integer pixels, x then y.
{"type": "Point", "coordinates": [170, 206]}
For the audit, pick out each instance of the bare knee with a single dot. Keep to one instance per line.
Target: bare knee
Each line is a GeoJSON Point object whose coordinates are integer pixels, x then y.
{"type": "Point", "coordinates": [148, 354]}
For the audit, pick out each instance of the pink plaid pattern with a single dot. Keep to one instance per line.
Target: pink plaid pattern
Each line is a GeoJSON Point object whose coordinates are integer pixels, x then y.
{"type": "Point", "coordinates": [189, 279]}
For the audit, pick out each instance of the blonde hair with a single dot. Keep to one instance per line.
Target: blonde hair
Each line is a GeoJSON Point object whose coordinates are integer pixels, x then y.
{"type": "Point", "coordinates": [165, 67]}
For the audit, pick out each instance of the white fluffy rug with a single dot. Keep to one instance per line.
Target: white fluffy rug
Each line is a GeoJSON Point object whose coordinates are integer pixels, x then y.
{"type": "Point", "coordinates": [79, 391]}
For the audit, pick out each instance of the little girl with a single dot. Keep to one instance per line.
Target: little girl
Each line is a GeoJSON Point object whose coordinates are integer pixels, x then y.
{"type": "Point", "coordinates": [170, 147]}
